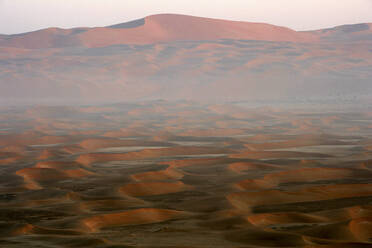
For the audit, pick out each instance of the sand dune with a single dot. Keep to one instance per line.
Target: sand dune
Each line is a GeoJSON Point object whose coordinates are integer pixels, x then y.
{"type": "Point", "coordinates": [359, 211]}
{"type": "Point", "coordinates": [31, 139]}
{"type": "Point", "coordinates": [77, 173]}
{"type": "Point", "coordinates": [251, 56]}
{"type": "Point", "coordinates": [131, 217]}
{"type": "Point", "coordinates": [305, 140]}
{"type": "Point", "coordinates": [195, 161]}
{"type": "Point", "coordinates": [242, 62]}
{"type": "Point", "coordinates": [90, 158]}
{"type": "Point", "coordinates": [361, 228]}
{"type": "Point", "coordinates": [14, 149]}
{"type": "Point", "coordinates": [277, 154]}
{"type": "Point", "coordinates": [213, 133]}
{"type": "Point", "coordinates": [168, 174]}
{"type": "Point", "coordinates": [308, 175]}
{"type": "Point", "coordinates": [157, 28]}
{"type": "Point", "coordinates": [338, 232]}
{"type": "Point", "coordinates": [165, 28]}
{"type": "Point", "coordinates": [153, 188]}
{"type": "Point", "coordinates": [263, 220]}
{"type": "Point", "coordinates": [246, 200]}
{"type": "Point", "coordinates": [9, 160]}
{"type": "Point", "coordinates": [70, 169]}
{"type": "Point", "coordinates": [111, 204]}
{"type": "Point", "coordinates": [92, 144]}
{"type": "Point", "coordinates": [36, 230]}
{"type": "Point", "coordinates": [47, 154]}
{"type": "Point", "coordinates": [241, 167]}
{"type": "Point", "coordinates": [42, 174]}
{"type": "Point", "coordinates": [261, 238]}
{"type": "Point", "coordinates": [303, 175]}
{"type": "Point", "coordinates": [51, 172]}
{"type": "Point", "coordinates": [58, 165]}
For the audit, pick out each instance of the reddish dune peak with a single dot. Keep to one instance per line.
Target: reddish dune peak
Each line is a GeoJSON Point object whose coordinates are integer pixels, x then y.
{"type": "Point", "coordinates": [156, 28]}
{"type": "Point", "coordinates": [172, 27]}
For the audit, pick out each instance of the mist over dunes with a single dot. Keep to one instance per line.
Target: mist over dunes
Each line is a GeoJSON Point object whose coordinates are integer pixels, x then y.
{"type": "Point", "coordinates": [177, 57]}
{"type": "Point", "coordinates": [183, 174]}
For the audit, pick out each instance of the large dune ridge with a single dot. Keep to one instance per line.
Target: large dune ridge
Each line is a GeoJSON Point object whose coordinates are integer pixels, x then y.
{"type": "Point", "coordinates": [166, 28]}
{"type": "Point", "coordinates": [154, 29]}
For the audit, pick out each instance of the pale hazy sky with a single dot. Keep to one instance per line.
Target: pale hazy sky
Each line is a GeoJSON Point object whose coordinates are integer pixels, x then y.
{"type": "Point", "coordinates": [18, 16]}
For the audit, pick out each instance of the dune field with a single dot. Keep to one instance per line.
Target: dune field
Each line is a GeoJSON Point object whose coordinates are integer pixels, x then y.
{"type": "Point", "coordinates": [185, 175]}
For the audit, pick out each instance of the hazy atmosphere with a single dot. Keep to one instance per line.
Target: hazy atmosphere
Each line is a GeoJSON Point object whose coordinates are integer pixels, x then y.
{"type": "Point", "coordinates": [17, 16]}
{"type": "Point", "coordinates": [185, 124]}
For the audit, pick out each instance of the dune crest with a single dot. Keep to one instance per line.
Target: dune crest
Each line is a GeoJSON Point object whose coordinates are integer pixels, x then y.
{"type": "Point", "coordinates": [131, 217]}
{"type": "Point", "coordinates": [155, 29]}
{"type": "Point", "coordinates": [153, 188]}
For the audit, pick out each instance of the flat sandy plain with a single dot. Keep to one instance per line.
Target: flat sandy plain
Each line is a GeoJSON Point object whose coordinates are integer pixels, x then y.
{"type": "Point", "coordinates": [161, 174]}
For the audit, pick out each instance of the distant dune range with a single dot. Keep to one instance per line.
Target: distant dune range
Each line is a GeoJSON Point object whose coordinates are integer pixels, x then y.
{"type": "Point", "coordinates": [154, 29]}
{"type": "Point", "coordinates": [183, 57]}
